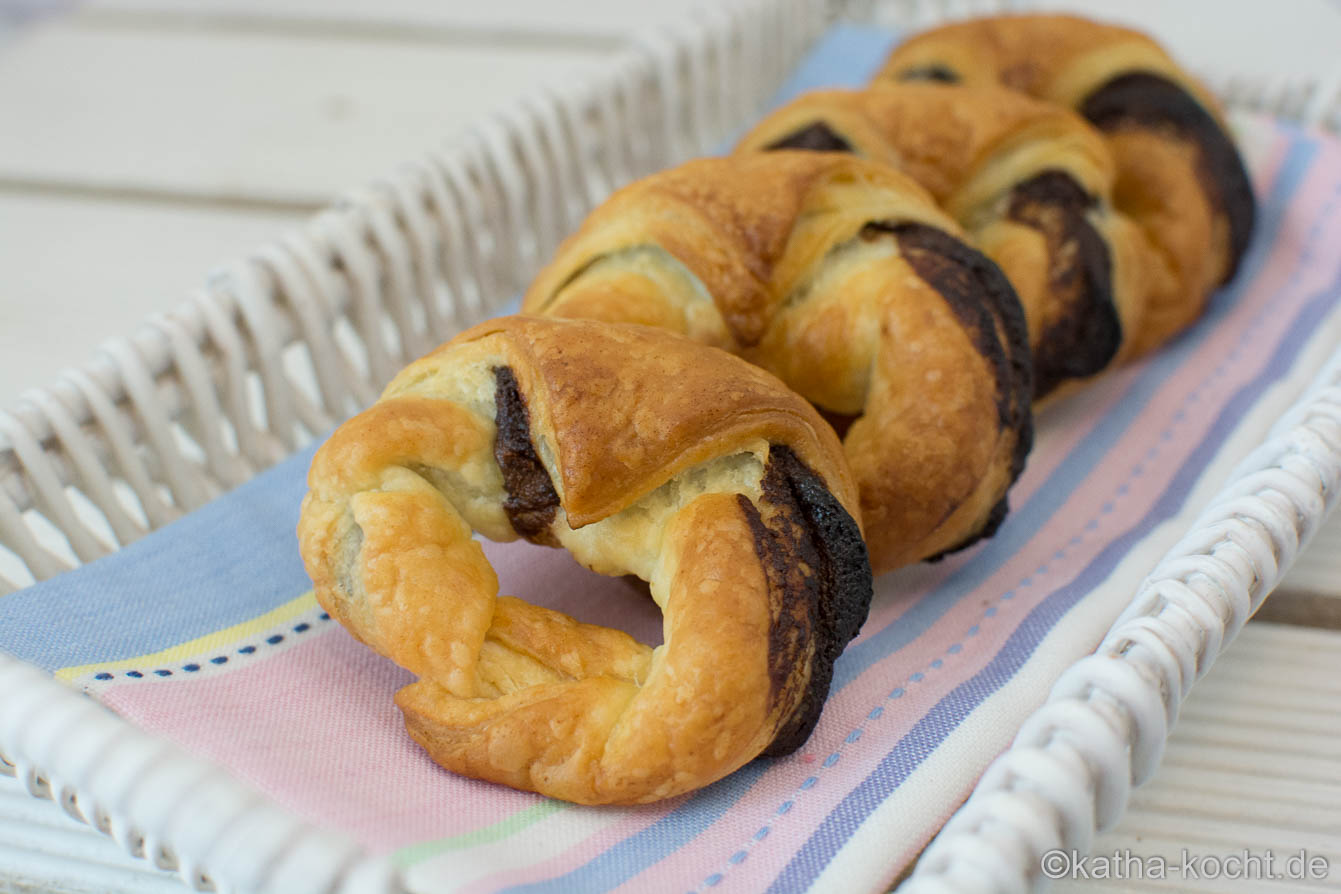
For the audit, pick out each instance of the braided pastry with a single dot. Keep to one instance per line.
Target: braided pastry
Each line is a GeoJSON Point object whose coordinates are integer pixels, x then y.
{"type": "Point", "coordinates": [1029, 180]}
{"type": "Point", "coordinates": [641, 453]}
{"type": "Point", "coordinates": [841, 276]}
{"type": "Point", "coordinates": [1179, 176]}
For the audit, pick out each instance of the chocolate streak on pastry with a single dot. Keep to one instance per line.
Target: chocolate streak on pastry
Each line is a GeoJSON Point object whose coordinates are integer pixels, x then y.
{"type": "Point", "coordinates": [983, 299]}
{"type": "Point", "coordinates": [816, 137]}
{"type": "Point", "coordinates": [938, 73]}
{"type": "Point", "coordinates": [531, 499]}
{"type": "Point", "coordinates": [1142, 99]}
{"type": "Point", "coordinates": [819, 586]}
{"type": "Point", "coordinates": [1087, 335]}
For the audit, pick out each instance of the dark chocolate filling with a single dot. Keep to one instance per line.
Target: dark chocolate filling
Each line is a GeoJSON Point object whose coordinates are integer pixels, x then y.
{"type": "Point", "coordinates": [1143, 99]}
{"type": "Point", "coordinates": [981, 297]}
{"type": "Point", "coordinates": [819, 584]}
{"type": "Point", "coordinates": [816, 137]}
{"type": "Point", "coordinates": [934, 72]}
{"type": "Point", "coordinates": [531, 499]}
{"type": "Point", "coordinates": [1088, 334]}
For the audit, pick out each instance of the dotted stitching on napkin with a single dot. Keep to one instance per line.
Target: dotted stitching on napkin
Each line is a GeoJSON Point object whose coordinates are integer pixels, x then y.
{"type": "Point", "coordinates": [193, 666]}
{"type": "Point", "coordinates": [1166, 436]}
{"type": "Point", "coordinates": [955, 648]}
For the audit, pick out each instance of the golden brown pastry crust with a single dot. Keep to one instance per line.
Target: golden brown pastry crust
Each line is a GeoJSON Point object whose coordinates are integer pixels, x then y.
{"type": "Point", "coordinates": [642, 453]}
{"type": "Point", "coordinates": [1178, 174]}
{"type": "Point", "coordinates": [1061, 58]}
{"type": "Point", "coordinates": [1030, 181]}
{"type": "Point", "coordinates": [842, 277]}
{"type": "Point", "coordinates": [946, 138]}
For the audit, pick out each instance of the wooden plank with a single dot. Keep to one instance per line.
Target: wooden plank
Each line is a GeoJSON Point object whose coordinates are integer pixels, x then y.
{"type": "Point", "coordinates": [257, 117]}
{"type": "Point", "coordinates": [1310, 594]}
{"type": "Point", "coordinates": [75, 271]}
{"type": "Point", "coordinates": [507, 20]}
{"type": "Point", "coordinates": [1243, 791]}
{"type": "Point", "coordinates": [1199, 31]}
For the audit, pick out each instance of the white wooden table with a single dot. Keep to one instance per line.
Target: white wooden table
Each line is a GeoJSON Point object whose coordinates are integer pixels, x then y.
{"type": "Point", "coordinates": [142, 142]}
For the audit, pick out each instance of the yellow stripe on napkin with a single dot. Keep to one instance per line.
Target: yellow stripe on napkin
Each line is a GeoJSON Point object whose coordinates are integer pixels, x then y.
{"type": "Point", "coordinates": [210, 642]}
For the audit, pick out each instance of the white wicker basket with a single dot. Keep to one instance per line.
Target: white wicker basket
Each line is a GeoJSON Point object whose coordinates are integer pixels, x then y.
{"type": "Point", "coordinates": [280, 346]}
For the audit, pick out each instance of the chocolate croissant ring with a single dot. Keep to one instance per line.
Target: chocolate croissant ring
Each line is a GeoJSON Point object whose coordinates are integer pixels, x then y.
{"type": "Point", "coordinates": [842, 277]}
{"type": "Point", "coordinates": [1030, 181]}
{"type": "Point", "coordinates": [641, 453]}
{"type": "Point", "coordinates": [1179, 176]}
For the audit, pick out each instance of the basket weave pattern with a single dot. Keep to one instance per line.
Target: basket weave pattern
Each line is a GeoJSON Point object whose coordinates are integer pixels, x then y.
{"type": "Point", "coordinates": [277, 348]}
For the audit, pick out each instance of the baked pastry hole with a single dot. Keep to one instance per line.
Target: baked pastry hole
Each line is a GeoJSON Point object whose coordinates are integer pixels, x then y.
{"type": "Point", "coordinates": [553, 579]}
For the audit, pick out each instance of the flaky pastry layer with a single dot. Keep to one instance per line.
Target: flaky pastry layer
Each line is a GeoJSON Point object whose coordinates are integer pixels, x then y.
{"type": "Point", "coordinates": [641, 453]}
{"type": "Point", "coordinates": [1179, 176]}
{"type": "Point", "coordinates": [841, 276]}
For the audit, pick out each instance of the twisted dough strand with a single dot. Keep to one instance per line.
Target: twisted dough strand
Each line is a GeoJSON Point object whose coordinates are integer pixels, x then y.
{"type": "Point", "coordinates": [1179, 176]}
{"type": "Point", "coordinates": [842, 277]}
{"type": "Point", "coordinates": [1029, 181]}
{"type": "Point", "coordinates": [641, 453]}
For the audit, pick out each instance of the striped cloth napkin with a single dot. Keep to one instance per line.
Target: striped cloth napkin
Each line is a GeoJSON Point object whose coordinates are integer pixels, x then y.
{"type": "Point", "coordinates": [206, 631]}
